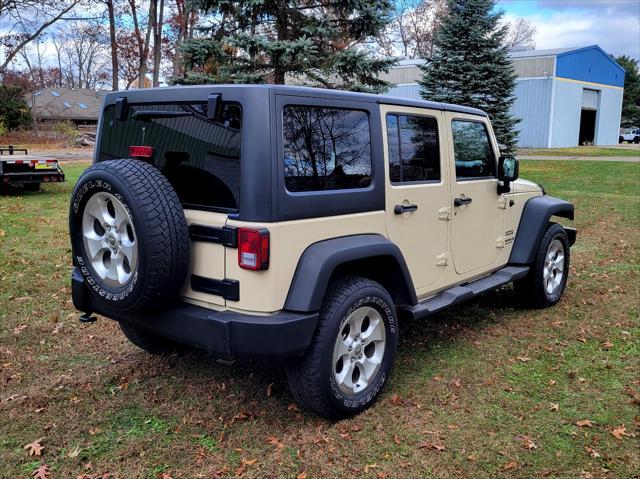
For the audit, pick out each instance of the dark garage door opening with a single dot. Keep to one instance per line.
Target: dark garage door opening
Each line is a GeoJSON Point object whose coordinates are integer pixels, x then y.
{"type": "Point", "coordinates": [587, 127]}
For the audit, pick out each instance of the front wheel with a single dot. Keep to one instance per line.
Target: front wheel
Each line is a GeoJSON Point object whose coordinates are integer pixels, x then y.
{"type": "Point", "coordinates": [547, 278]}
{"type": "Point", "coordinates": [636, 140]}
{"type": "Point", "coordinates": [353, 351]}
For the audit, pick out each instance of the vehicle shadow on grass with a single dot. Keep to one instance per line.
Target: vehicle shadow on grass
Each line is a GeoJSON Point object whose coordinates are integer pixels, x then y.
{"type": "Point", "coordinates": [258, 388]}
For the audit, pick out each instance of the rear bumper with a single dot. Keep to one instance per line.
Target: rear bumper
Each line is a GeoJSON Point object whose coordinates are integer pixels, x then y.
{"type": "Point", "coordinates": [224, 334]}
{"type": "Point", "coordinates": [21, 177]}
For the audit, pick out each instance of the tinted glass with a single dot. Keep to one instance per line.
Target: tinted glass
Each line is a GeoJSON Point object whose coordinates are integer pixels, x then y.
{"type": "Point", "coordinates": [414, 153]}
{"type": "Point", "coordinates": [199, 156]}
{"type": "Point", "coordinates": [326, 149]}
{"type": "Point", "coordinates": [472, 150]}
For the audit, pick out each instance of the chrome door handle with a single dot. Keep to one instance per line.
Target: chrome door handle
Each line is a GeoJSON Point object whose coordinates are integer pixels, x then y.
{"type": "Point", "coordinates": [461, 201]}
{"type": "Point", "coordinates": [399, 209]}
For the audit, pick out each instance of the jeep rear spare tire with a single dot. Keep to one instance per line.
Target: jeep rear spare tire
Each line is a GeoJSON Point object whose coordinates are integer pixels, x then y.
{"type": "Point", "coordinates": [129, 236]}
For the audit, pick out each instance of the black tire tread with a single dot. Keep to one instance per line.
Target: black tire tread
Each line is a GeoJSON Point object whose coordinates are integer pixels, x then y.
{"type": "Point", "coordinates": [149, 342]}
{"type": "Point", "coordinates": [304, 373]}
{"type": "Point", "coordinates": [527, 289]}
{"type": "Point", "coordinates": [166, 226]}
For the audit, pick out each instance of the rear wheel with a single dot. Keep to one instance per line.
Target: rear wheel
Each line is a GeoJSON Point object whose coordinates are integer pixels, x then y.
{"type": "Point", "coordinates": [636, 140]}
{"type": "Point", "coordinates": [353, 351]}
{"type": "Point", "coordinates": [547, 278]}
{"type": "Point", "coordinates": [149, 342]}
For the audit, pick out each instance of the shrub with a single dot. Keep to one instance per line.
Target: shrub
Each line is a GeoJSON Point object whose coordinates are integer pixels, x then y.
{"type": "Point", "coordinates": [65, 130]}
{"type": "Point", "coordinates": [14, 111]}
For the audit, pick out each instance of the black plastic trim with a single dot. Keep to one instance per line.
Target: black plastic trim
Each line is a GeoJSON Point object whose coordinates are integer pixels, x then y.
{"type": "Point", "coordinates": [459, 294]}
{"type": "Point", "coordinates": [224, 334]}
{"type": "Point", "coordinates": [533, 224]}
{"type": "Point", "coordinates": [319, 261]}
{"type": "Point", "coordinates": [227, 235]}
{"type": "Point", "coordinates": [227, 288]}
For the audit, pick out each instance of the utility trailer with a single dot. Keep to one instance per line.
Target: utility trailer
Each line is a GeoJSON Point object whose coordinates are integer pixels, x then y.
{"type": "Point", "coordinates": [27, 171]}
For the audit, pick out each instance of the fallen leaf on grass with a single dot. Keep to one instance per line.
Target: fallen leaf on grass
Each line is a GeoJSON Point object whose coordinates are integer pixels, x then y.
{"type": "Point", "coordinates": [369, 467]}
{"type": "Point", "coordinates": [524, 359]}
{"type": "Point", "coordinates": [165, 475]}
{"type": "Point", "coordinates": [432, 446]}
{"type": "Point", "coordinates": [302, 475]}
{"type": "Point", "coordinates": [73, 454]}
{"type": "Point", "coordinates": [527, 443]}
{"type": "Point", "coordinates": [554, 406]}
{"type": "Point", "coordinates": [274, 442]}
{"type": "Point", "coordinates": [586, 475]}
{"type": "Point", "coordinates": [607, 345]}
{"type": "Point", "coordinates": [19, 329]}
{"type": "Point", "coordinates": [41, 473]}
{"type": "Point", "coordinates": [293, 407]}
{"type": "Point", "coordinates": [35, 448]}
{"type": "Point", "coordinates": [592, 452]}
{"type": "Point", "coordinates": [395, 400]}
{"type": "Point", "coordinates": [457, 383]}
{"type": "Point", "coordinates": [510, 465]}
{"type": "Point", "coordinates": [552, 382]}
{"type": "Point", "coordinates": [620, 431]}
{"type": "Point", "coordinates": [584, 423]}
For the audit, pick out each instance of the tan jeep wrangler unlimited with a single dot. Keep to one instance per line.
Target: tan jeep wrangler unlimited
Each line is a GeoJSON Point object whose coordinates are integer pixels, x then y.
{"type": "Point", "coordinates": [301, 223]}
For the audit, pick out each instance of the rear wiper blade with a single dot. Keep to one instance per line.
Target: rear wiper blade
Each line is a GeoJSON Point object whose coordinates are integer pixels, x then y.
{"type": "Point", "coordinates": [151, 114]}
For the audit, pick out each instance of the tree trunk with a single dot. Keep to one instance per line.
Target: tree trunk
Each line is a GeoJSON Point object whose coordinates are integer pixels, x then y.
{"type": "Point", "coordinates": [157, 43]}
{"type": "Point", "coordinates": [114, 46]}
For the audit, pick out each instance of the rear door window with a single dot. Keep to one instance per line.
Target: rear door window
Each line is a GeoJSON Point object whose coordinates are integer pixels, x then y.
{"type": "Point", "coordinates": [199, 156]}
{"type": "Point", "coordinates": [326, 148]}
{"type": "Point", "coordinates": [414, 154]}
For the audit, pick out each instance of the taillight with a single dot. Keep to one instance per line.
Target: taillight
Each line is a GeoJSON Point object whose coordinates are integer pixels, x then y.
{"type": "Point", "coordinates": [253, 248]}
{"type": "Point", "coordinates": [140, 151]}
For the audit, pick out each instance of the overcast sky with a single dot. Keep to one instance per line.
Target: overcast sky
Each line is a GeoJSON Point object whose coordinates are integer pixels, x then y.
{"type": "Point", "coordinates": [612, 24]}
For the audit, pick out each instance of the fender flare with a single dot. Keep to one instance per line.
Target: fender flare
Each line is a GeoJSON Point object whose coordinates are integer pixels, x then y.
{"type": "Point", "coordinates": [318, 262]}
{"type": "Point", "coordinates": [533, 224]}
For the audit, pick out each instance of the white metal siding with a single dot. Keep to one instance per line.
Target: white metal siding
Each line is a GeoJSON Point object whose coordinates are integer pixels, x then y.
{"type": "Point", "coordinates": [405, 91]}
{"type": "Point", "coordinates": [608, 118]}
{"type": "Point", "coordinates": [590, 99]}
{"type": "Point", "coordinates": [533, 107]}
{"type": "Point", "coordinates": [566, 114]}
{"type": "Point", "coordinates": [534, 67]}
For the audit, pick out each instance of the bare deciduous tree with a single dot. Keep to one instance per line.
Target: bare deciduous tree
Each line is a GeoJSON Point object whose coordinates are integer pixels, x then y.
{"type": "Point", "coordinates": [521, 35]}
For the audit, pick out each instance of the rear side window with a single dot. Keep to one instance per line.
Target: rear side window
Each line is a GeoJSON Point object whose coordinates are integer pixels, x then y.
{"type": "Point", "coordinates": [472, 150]}
{"type": "Point", "coordinates": [199, 156]}
{"type": "Point", "coordinates": [414, 153]}
{"type": "Point", "coordinates": [326, 149]}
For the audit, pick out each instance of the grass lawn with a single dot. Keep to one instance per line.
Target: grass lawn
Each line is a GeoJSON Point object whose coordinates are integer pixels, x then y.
{"type": "Point", "coordinates": [580, 151]}
{"type": "Point", "coordinates": [483, 390]}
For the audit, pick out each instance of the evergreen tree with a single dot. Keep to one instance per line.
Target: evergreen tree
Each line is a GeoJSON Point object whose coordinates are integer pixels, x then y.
{"type": "Point", "coordinates": [631, 99]}
{"type": "Point", "coordinates": [471, 66]}
{"type": "Point", "coordinates": [316, 43]}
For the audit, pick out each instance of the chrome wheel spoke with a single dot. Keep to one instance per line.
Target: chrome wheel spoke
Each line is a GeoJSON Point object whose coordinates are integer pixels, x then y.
{"type": "Point", "coordinates": [553, 270]}
{"type": "Point", "coordinates": [109, 239]}
{"type": "Point", "coordinates": [359, 349]}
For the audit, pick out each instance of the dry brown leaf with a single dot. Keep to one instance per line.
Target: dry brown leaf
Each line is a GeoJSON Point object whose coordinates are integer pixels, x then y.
{"type": "Point", "coordinates": [527, 442]}
{"type": "Point", "coordinates": [592, 452]}
{"type": "Point", "coordinates": [34, 448]}
{"type": "Point", "coordinates": [165, 475]}
{"type": "Point", "coordinates": [432, 446]}
{"type": "Point", "coordinates": [554, 406]}
{"type": "Point", "coordinates": [369, 467]}
{"type": "Point", "coordinates": [584, 423]}
{"type": "Point", "coordinates": [586, 475]}
{"type": "Point", "coordinates": [552, 382]}
{"type": "Point", "coordinates": [607, 345]}
{"type": "Point", "coordinates": [524, 359]}
{"type": "Point", "coordinates": [457, 383]}
{"type": "Point", "coordinates": [620, 431]}
{"type": "Point", "coordinates": [302, 475]}
{"type": "Point", "coordinates": [73, 454]}
{"type": "Point", "coordinates": [41, 473]}
{"type": "Point", "coordinates": [395, 400]}
{"type": "Point", "coordinates": [396, 439]}
{"type": "Point", "coordinates": [274, 442]}
{"type": "Point", "coordinates": [510, 465]}
{"type": "Point", "coordinates": [293, 407]}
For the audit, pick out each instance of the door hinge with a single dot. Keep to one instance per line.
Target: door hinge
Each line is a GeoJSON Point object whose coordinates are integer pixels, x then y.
{"type": "Point", "coordinates": [442, 259]}
{"type": "Point", "coordinates": [502, 202]}
{"type": "Point", "coordinates": [500, 242]}
{"type": "Point", "coordinates": [444, 213]}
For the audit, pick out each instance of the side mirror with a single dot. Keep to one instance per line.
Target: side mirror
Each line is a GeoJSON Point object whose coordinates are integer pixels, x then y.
{"type": "Point", "coordinates": [508, 169]}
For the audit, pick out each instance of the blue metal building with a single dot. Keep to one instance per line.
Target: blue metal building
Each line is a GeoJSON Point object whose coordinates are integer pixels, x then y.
{"type": "Point", "coordinates": [564, 97]}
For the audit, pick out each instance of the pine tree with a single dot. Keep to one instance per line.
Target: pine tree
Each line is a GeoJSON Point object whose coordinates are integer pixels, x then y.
{"type": "Point", "coordinates": [631, 100]}
{"type": "Point", "coordinates": [471, 66]}
{"type": "Point", "coordinates": [315, 43]}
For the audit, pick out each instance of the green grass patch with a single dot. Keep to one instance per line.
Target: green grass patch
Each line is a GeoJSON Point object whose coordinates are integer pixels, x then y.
{"type": "Point", "coordinates": [586, 151]}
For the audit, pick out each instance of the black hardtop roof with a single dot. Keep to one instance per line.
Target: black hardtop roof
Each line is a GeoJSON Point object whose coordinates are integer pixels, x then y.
{"type": "Point", "coordinates": [183, 92]}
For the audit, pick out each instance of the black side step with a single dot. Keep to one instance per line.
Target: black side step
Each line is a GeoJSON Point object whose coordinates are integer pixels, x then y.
{"type": "Point", "coordinates": [458, 294]}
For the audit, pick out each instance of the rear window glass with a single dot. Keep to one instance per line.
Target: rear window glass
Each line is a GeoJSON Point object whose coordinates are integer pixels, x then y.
{"type": "Point", "coordinates": [199, 156]}
{"type": "Point", "coordinates": [326, 149]}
